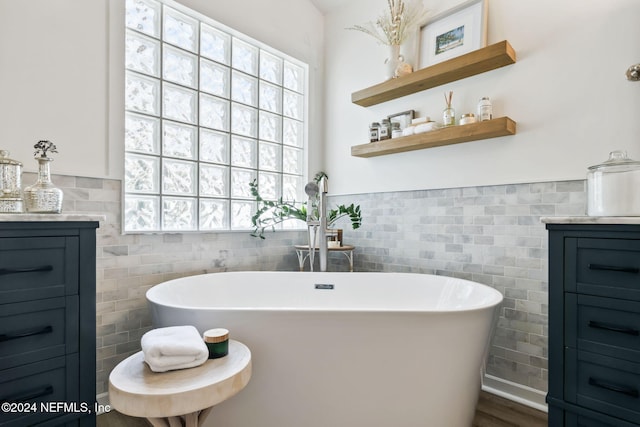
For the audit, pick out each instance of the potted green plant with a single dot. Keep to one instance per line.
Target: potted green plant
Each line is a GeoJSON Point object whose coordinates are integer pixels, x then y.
{"type": "Point", "coordinates": [270, 213]}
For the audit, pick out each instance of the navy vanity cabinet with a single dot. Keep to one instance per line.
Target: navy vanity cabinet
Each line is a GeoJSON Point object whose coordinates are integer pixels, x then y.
{"type": "Point", "coordinates": [594, 325]}
{"type": "Point", "coordinates": [47, 323]}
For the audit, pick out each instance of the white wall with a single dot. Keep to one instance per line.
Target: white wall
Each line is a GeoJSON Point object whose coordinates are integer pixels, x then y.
{"type": "Point", "coordinates": [567, 92]}
{"type": "Point", "coordinates": [61, 73]}
{"type": "Point", "coordinates": [53, 82]}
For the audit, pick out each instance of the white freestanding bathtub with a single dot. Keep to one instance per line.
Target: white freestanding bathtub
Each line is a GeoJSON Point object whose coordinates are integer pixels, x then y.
{"type": "Point", "coordinates": [342, 349]}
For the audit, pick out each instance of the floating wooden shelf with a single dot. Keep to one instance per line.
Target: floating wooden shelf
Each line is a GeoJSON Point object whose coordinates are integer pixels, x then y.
{"type": "Point", "coordinates": [479, 61]}
{"type": "Point", "coordinates": [502, 126]}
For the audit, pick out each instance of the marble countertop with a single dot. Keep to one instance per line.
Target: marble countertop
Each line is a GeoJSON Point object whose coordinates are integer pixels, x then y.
{"type": "Point", "coordinates": [590, 219]}
{"type": "Point", "coordinates": [30, 217]}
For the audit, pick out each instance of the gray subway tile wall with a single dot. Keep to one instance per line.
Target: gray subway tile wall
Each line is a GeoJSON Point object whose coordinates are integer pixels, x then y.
{"type": "Point", "coordinates": [489, 234]}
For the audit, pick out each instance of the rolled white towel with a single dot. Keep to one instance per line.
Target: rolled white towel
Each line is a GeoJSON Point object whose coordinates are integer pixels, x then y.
{"type": "Point", "coordinates": [173, 347]}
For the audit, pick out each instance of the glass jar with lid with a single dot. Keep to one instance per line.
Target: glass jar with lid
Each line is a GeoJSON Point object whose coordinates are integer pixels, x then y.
{"type": "Point", "coordinates": [374, 132]}
{"type": "Point", "coordinates": [385, 130]}
{"type": "Point", "coordinates": [485, 109]}
{"type": "Point", "coordinates": [10, 184]}
{"type": "Point", "coordinates": [613, 187]}
{"type": "Point", "coordinates": [468, 118]}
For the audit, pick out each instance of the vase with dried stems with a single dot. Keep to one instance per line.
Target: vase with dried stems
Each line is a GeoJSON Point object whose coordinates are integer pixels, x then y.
{"type": "Point", "coordinates": [392, 28]}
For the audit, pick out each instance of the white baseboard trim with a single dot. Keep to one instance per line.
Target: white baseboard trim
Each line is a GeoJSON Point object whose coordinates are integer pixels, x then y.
{"type": "Point", "coordinates": [517, 392]}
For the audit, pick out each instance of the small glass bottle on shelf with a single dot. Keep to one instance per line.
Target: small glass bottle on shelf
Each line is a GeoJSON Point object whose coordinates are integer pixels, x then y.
{"type": "Point", "coordinates": [449, 113]}
{"type": "Point", "coordinates": [485, 109]}
{"type": "Point", "coordinates": [374, 132]}
{"type": "Point", "coordinates": [449, 116]}
{"type": "Point", "coordinates": [385, 130]}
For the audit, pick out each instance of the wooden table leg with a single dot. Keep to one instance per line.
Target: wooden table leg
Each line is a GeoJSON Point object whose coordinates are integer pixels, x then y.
{"type": "Point", "coordinates": [175, 421]}
{"type": "Point", "coordinates": [195, 419]}
{"type": "Point", "coordinates": [191, 420]}
{"type": "Point", "coordinates": [204, 414]}
{"type": "Point", "coordinates": [158, 422]}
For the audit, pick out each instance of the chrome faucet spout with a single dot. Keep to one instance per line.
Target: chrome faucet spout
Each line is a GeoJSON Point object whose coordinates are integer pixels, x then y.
{"type": "Point", "coordinates": [324, 184]}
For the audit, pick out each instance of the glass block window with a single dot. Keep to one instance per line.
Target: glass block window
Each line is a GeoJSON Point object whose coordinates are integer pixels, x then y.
{"type": "Point", "coordinates": [207, 111]}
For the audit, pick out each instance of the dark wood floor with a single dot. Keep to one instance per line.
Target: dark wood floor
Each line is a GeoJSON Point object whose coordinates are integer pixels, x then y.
{"type": "Point", "coordinates": [116, 419]}
{"type": "Point", "coordinates": [492, 411]}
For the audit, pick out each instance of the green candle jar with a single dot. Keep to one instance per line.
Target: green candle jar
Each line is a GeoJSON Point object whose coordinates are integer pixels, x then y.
{"type": "Point", "coordinates": [217, 341]}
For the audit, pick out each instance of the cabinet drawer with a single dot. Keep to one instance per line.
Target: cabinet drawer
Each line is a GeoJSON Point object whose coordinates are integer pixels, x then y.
{"type": "Point", "coordinates": [603, 325]}
{"type": "Point", "coordinates": [608, 267]}
{"type": "Point", "coordinates": [575, 420]}
{"type": "Point", "coordinates": [38, 330]}
{"type": "Point", "coordinates": [46, 381]}
{"type": "Point", "coordinates": [562, 414]}
{"type": "Point", "coordinates": [604, 384]}
{"type": "Point", "coordinates": [38, 267]}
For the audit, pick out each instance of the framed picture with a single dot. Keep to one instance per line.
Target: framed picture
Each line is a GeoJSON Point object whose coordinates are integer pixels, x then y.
{"type": "Point", "coordinates": [403, 118]}
{"type": "Point", "coordinates": [453, 33]}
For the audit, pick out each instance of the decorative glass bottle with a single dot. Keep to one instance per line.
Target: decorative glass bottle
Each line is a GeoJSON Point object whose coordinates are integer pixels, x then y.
{"type": "Point", "coordinates": [449, 113]}
{"type": "Point", "coordinates": [43, 196]}
{"type": "Point", "coordinates": [449, 116]}
{"type": "Point", "coordinates": [485, 109]}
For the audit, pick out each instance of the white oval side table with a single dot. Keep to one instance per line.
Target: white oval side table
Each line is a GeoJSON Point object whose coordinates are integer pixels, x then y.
{"type": "Point", "coordinates": [182, 397]}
